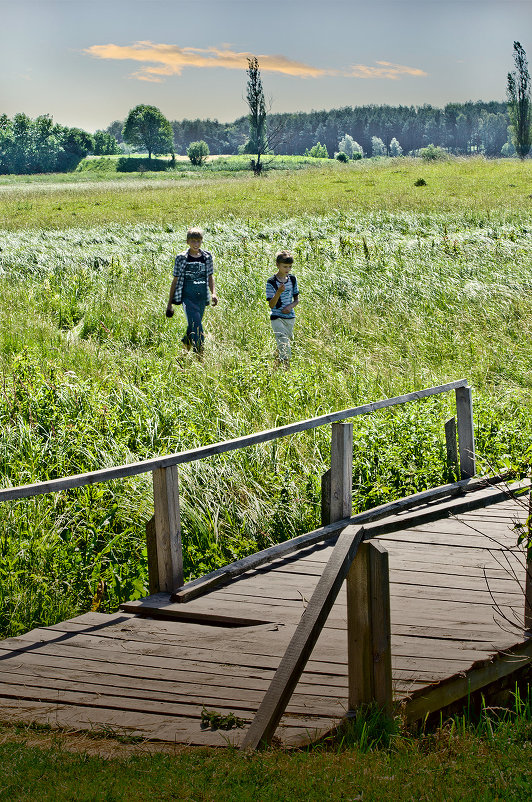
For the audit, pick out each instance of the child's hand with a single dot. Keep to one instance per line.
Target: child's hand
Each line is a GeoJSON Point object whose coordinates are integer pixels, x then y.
{"type": "Point", "coordinates": [286, 309]}
{"type": "Point", "coordinates": [169, 311]}
{"type": "Point", "coordinates": [214, 299]}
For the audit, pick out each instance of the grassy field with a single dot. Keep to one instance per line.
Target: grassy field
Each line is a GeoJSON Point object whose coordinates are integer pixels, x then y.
{"type": "Point", "coordinates": [485, 761]}
{"type": "Point", "coordinates": [402, 287]}
{"type": "Point", "coordinates": [94, 375]}
{"type": "Point", "coordinates": [473, 186]}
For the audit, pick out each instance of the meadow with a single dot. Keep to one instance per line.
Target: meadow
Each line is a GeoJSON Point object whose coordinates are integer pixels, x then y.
{"type": "Point", "coordinates": [402, 287]}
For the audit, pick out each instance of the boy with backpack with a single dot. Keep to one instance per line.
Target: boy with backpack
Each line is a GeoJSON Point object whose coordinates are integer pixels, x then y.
{"type": "Point", "coordinates": [282, 294]}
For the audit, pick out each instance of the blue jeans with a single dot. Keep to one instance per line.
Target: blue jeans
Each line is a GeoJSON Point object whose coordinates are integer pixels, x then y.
{"type": "Point", "coordinates": [194, 303]}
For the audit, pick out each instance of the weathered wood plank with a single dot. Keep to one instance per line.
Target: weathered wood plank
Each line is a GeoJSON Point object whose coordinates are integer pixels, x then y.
{"type": "Point", "coordinates": [341, 485]}
{"type": "Point", "coordinates": [466, 437]}
{"type": "Point", "coordinates": [167, 528]}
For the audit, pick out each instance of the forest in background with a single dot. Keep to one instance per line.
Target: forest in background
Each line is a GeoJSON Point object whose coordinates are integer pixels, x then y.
{"type": "Point", "coordinates": [461, 128]}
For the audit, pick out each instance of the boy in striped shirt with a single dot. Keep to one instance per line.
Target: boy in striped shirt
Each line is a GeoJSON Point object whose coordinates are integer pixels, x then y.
{"type": "Point", "coordinates": [282, 294]}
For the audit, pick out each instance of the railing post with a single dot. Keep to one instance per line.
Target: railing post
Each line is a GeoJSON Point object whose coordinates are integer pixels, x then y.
{"type": "Point", "coordinates": [528, 568]}
{"type": "Point", "coordinates": [450, 446]}
{"type": "Point", "coordinates": [369, 655]}
{"type": "Point", "coordinates": [167, 528]}
{"type": "Point", "coordinates": [340, 483]}
{"type": "Point", "coordinates": [151, 548]}
{"type": "Point", "coordinates": [466, 437]}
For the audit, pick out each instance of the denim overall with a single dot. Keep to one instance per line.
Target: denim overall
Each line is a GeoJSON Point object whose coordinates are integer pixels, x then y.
{"type": "Point", "coordinates": [194, 301]}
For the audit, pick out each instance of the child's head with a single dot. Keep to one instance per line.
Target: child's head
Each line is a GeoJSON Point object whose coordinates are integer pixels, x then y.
{"type": "Point", "coordinates": [284, 258]}
{"type": "Point", "coordinates": [194, 235]}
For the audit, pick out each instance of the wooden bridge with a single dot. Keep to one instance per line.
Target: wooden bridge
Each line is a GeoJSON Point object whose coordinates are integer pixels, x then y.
{"type": "Point", "coordinates": [415, 604]}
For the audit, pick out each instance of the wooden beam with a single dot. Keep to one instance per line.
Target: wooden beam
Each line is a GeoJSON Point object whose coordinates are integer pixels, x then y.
{"type": "Point", "coordinates": [466, 437]}
{"type": "Point", "coordinates": [369, 655]}
{"type": "Point", "coordinates": [341, 489]}
{"type": "Point", "coordinates": [300, 647]}
{"type": "Point", "coordinates": [167, 528]}
{"type": "Point", "coordinates": [460, 686]}
{"type": "Point", "coordinates": [182, 457]}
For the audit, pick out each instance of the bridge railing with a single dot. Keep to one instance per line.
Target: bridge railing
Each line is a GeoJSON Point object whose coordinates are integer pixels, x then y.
{"type": "Point", "coordinates": [163, 531]}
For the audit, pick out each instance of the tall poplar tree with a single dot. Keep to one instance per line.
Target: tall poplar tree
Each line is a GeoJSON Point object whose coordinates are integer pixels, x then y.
{"type": "Point", "coordinates": [518, 92]}
{"type": "Point", "coordinates": [258, 140]}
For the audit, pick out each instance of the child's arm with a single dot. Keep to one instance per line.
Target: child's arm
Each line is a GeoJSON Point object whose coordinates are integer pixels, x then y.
{"type": "Point", "coordinates": [214, 297]}
{"type": "Point", "coordinates": [273, 301]}
{"type": "Point", "coordinates": [169, 310]}
{"type": "Point", "coordinates": [286, 309]}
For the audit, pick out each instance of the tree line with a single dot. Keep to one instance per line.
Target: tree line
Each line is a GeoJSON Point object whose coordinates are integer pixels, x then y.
{"type": "Point", "coordinates": [489, 128]}
{"type": "Point", "coordinates": [460, 128]}
{"type": "Point", "coordinates": [42, 146]}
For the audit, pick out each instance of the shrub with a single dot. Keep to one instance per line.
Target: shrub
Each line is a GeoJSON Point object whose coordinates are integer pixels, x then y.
{"type": "Point", "coordinates": [197, 152]}
{"type": "Point", "coordinates": [433, 153]}
{"type": "Point", "coordinates": [420, 182]}
{"type": "Point", "coordinates": [135, 164]}
{"type": "Point", "coordinates": [342, 156]}
{"type": "Point", "coordinates": [317, 151]}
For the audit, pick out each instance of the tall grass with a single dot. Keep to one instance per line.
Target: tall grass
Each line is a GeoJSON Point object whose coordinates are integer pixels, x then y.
{"type": "Point", "coordinates": [93, 375]}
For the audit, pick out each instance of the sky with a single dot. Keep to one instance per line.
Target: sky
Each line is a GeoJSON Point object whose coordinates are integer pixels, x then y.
{"type": "Point", "coordinates": [88, 62]}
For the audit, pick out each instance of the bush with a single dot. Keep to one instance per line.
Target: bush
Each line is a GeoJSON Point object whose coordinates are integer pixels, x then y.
{"type": "Point", "coordinates": [432, 153]}
{"type": "Point", "coordinates": [342, 157]}
{"type": "Point", "coordinates": [317, 151]}
{"type": "Point", "coordinates": [197, 152]}
{"type": "Point", "coordinates": [135, 164]}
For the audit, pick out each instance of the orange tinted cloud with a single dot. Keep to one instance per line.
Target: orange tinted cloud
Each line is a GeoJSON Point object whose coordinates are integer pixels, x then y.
{"type": "Point", "coordinates": [160, 61]}
{"type": "Point", "coordinates": [163, 60]}
{"type": "Point", "coordinates": [385, 70]}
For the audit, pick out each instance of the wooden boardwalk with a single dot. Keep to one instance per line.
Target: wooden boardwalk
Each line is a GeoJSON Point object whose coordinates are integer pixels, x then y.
{"type": "Point", "coordinates": [457, 599]}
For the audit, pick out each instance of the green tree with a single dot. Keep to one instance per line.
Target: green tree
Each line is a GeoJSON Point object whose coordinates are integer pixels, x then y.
{"type": "Point", "coordinates": [147, 127]}
{"type": "Point", "coordinates": [197, 152]}
{"type": "Point", "coordinates": [317, 151]}
{"type": "Point", "coordinates": [518, 93]}
{"type": "Point", "coordinates": [105, 144]}
{"type": "Point", "coordinates": [258, 140]}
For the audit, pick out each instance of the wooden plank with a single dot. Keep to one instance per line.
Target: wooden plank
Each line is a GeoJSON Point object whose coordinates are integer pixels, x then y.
{"type": "Point", "coordinates": [186, 700]}
{"type": "Point", "coordinates": [340, 503]}
{"type": "Point", "coordinates": [481, 498]}
{"type": "Point", "coordinates": [167, 528]}
{"type": "Point", "coordinates": [303, 640]}
{"type": "Point", "coordinates": [135, 468]}
{"type": "Point", "coordinates": [464, 425]}
{"type": "Point", "coordinates": [155, 727]}
{"type": "Point", "coordinates": [200, 586]}
{"type": "Point", "coordinates": [460, 687]}
{"type": "Point", "coordinates": [368, 629]}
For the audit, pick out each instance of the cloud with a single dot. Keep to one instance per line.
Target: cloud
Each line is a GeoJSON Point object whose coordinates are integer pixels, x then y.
{"type": "Point", "coordinates": [164, 60]}
{"type": "Point", "coordinates": [160, 61]}
{"type": "Point", "coordinates": [385, 70]}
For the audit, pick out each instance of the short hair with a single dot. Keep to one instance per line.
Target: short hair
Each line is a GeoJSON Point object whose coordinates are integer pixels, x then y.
{"type": "Point", "coordinates": [194, 233]}
{"type": "Point", "coordinates": [284, 256]}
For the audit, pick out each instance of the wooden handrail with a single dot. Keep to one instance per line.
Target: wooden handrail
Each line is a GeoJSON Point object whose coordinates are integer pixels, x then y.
{"type": "Point", "coordinates": [182, 457]}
